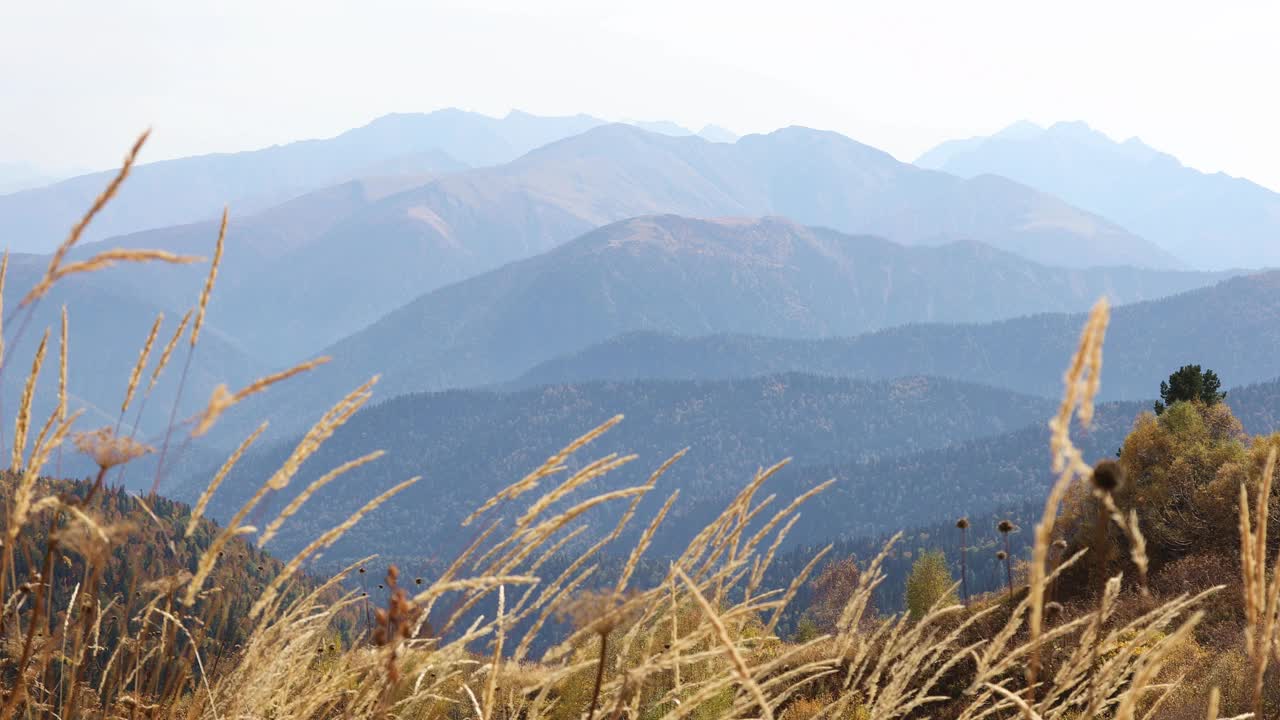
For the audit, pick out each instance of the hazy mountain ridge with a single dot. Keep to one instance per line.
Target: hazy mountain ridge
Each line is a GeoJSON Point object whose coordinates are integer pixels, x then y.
{"type": "Point", "coordinates": [1211, 221]}
{"type": "Point", "coordinates": [693, 277]}
{"type": "Point", "coordinates": [184, 190]}
{"type": "Point", "coordinates": [1229, 327]}
{"type": "Point", "coordinates": [467, 223]}
{"type": "Point", "coordinates": [306, 272]}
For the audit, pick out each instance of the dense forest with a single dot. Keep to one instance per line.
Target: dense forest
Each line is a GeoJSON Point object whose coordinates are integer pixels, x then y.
{"type": "Point", "coordinates": [470, 444]}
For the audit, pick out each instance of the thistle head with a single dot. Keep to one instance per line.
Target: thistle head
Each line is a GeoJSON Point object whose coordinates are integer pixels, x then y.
{"type": "Point", "coordinates": [963, 523]}
{"type": "Point", "coordinates": [107, 449]}
{"type": "Point", "coordinates": [1001, 555]}
{"type": "Point", "coordinates": [1005, 527]}
{"type": "Point", "coordinates": [1108, 476]}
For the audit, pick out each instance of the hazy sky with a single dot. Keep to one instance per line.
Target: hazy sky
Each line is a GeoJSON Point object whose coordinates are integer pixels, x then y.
{"type": "Point", "coordinates": [80, 79]}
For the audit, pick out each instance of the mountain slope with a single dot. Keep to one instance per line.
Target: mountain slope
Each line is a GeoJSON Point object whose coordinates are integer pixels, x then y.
{"type": "Point", "coordinates": [1208, 220]}
{"type": "Point", "coordinates": [190, 189]}
{"type": "Point", "coordinates": [267, 316]}
{"type": "Point", "coordinates": [469, 444]}
{"type": "Point", "coordinates": [691, 277]}
{"type": "Point", "coordinates": [879, 495]}
{"type": "Point", "coordinates": [904, 452]}
{"type": "Point", "coordinates": [1229, 327]}
{"type": "Point", "coordinates": [20, 176]}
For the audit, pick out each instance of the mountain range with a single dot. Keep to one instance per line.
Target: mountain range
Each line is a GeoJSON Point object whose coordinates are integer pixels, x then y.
{"type": "Point", "coordinates": [1229, 327]}
{"type": "Point", "coordinates": [792, 293]}
{"type": "Point", "coordinates": [691, 277]}
{"type": "Point", "coordinates": [1208, 220]}
{"type": "Point", "coordinates": [386, 213]}
{"type": "Point", "coordinates": [185, 190]}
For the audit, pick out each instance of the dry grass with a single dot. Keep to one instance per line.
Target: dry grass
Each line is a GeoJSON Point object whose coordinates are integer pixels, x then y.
{"type": "Point", "coordinates": [699, 643]}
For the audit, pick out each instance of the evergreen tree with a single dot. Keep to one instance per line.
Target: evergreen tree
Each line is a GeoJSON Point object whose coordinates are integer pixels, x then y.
{"type": "Point", "coordinates": [1189, 383]}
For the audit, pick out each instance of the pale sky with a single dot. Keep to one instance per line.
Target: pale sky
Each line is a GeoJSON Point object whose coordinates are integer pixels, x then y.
{"type": "Point", "coordinates": [78, 80]}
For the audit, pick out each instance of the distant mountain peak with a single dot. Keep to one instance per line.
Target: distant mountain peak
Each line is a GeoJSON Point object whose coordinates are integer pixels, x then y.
{"type": "Point", "coordinates": [1210, 221]}
{"type": "Point", "coordinates": [661, 127]}
{"type": "Point", "coordinates": [715, 133]}
{"type": "Point", "coordinates": [1019, 130]}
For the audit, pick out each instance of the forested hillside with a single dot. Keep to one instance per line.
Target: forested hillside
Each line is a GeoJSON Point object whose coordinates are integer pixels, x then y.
{"type": "Point", "coordinates": [1229, 326]}
{"type": "Point", "coordinates": [469, 444]}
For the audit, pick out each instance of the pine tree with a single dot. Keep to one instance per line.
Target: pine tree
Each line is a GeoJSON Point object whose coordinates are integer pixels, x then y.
{"type": "Point", "coordinates": [1189, 383]}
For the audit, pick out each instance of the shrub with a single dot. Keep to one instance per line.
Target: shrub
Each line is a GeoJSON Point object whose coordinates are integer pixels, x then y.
{"type": "Point", "coordinates": [930, 582]}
